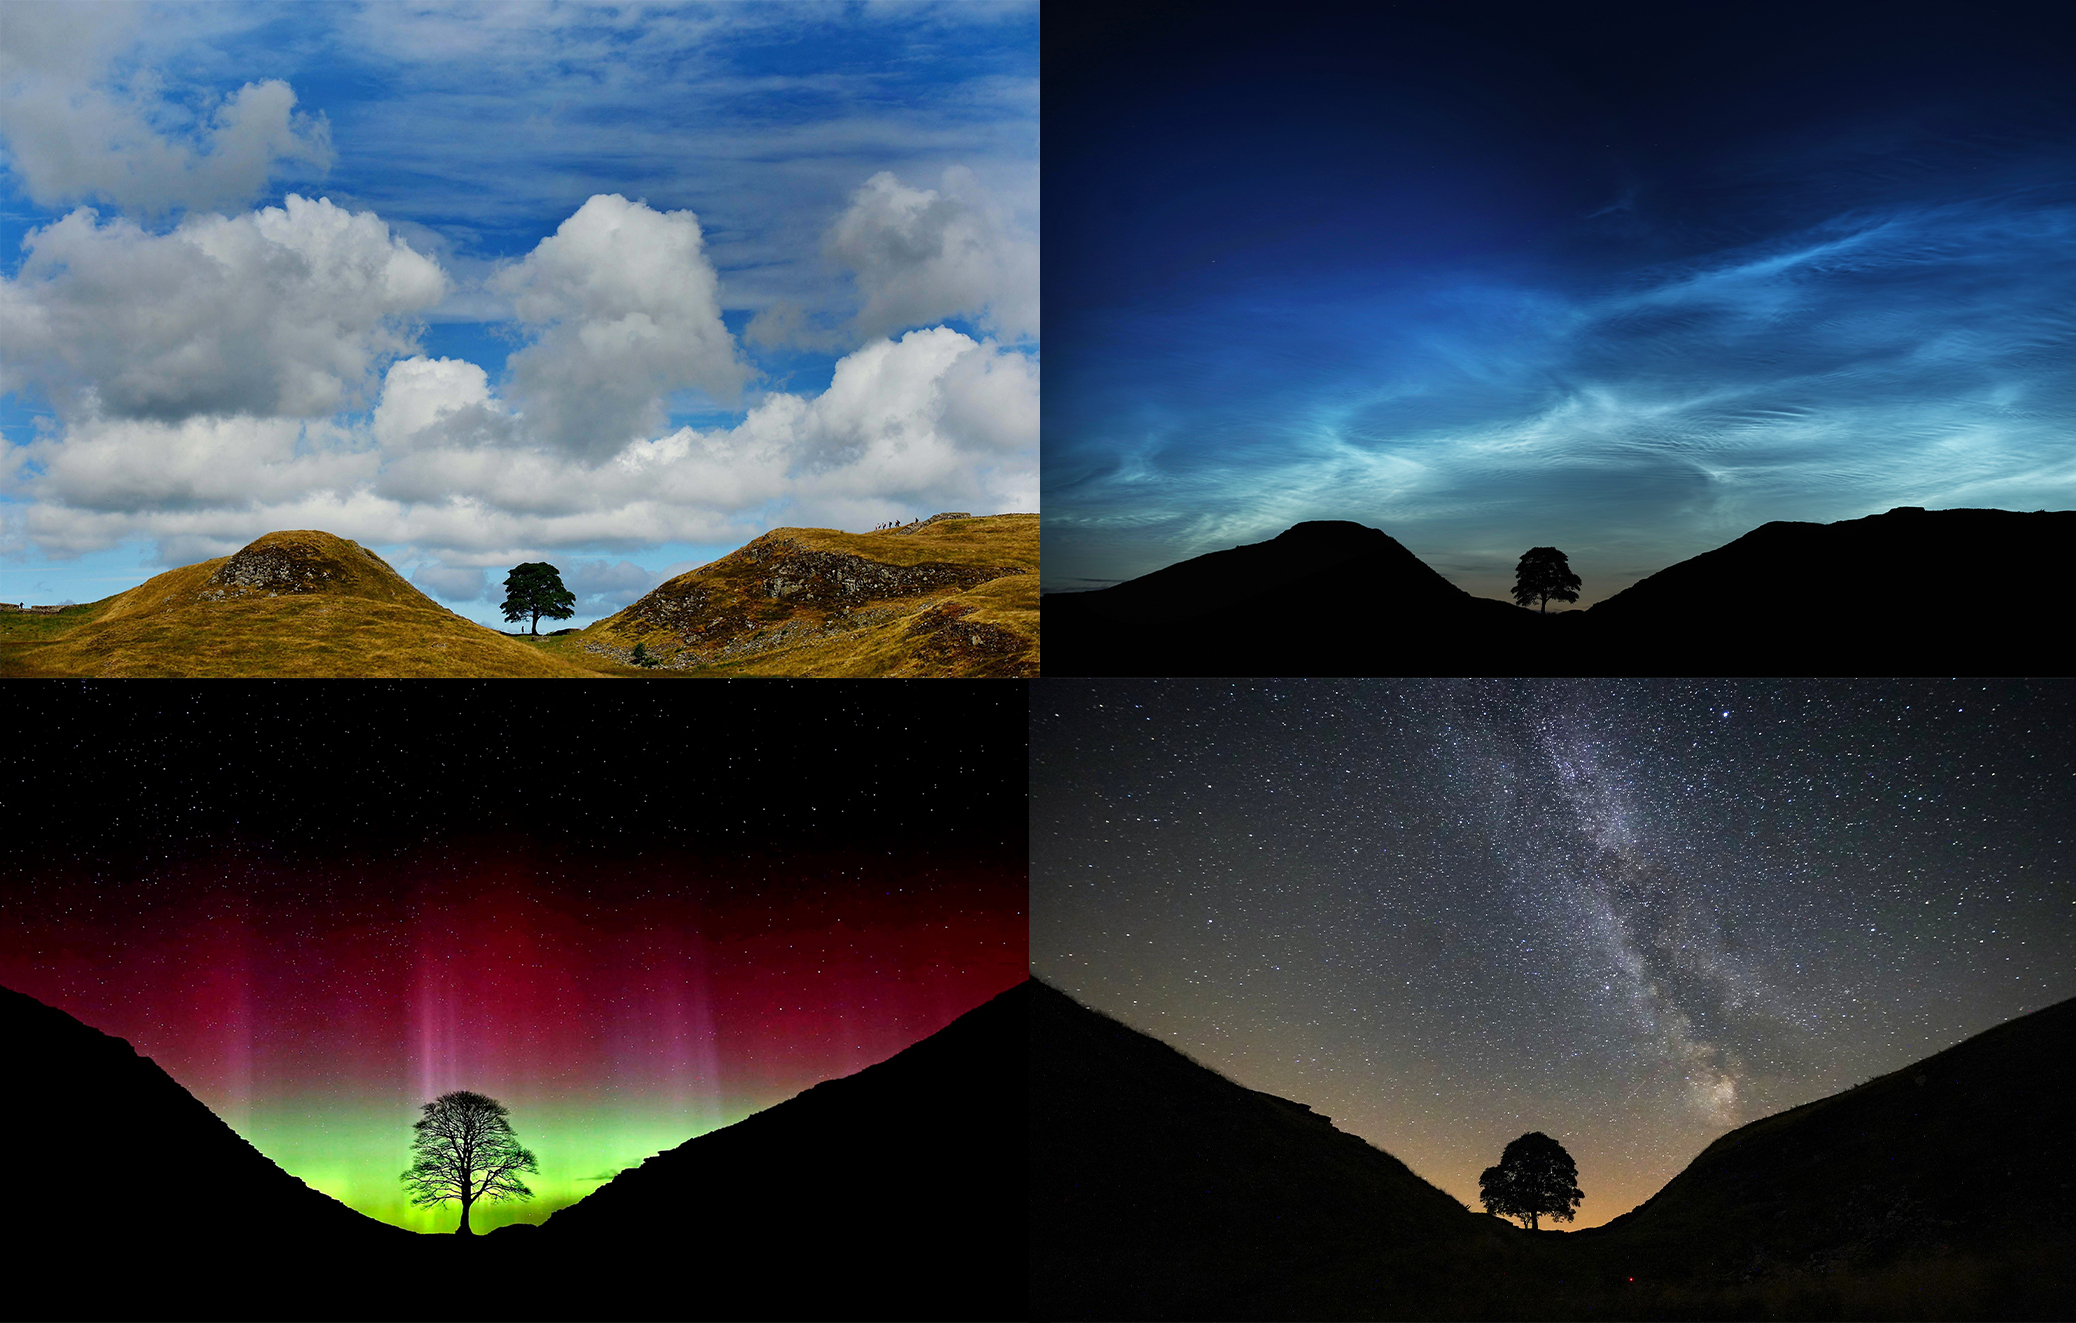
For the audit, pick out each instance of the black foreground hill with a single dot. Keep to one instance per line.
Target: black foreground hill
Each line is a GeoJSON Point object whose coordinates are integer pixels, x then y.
{"type": "Point", "coordinates": [1967, 1156]}
{"type": "Point", "coordinates": [894, 1193]}
{"type": "Point", "coordinates": [1161, 1190]}
{"type": "Point", "coordinates": [1328, 597]}
{"type": "Point", "coordinates": [134, 1200]}
{"type": "Point", "coordinates": [1908, 592]}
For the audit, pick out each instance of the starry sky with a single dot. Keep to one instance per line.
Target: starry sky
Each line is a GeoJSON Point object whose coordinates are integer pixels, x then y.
{"type": "Point", "coordinates": [614, 287]}
{"type": "Point", "coordinates": [1631, 914]}
{"type": "Point", "coordinates": [1625, 278]}
{"type": "Point", "coordinates": [630, 920]}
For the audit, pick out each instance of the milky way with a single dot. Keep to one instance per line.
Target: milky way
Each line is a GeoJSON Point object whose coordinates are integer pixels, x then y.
{"type": "Point", "coordinates": [1631, 914]}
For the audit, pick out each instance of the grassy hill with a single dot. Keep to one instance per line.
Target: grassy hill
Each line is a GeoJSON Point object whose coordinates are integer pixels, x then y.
{"type": "Point", "coordinates": [950, 596]}
{"type": "Point", "coordinates": [295, 603]}
{"type": "Point", "coordinates": [953, 595]}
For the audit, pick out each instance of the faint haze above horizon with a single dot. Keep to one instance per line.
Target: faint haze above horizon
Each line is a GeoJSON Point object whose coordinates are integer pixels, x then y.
{"type": "Point", "coordinates": [1629, 280]}
{"type": "Point", "coordinates": [1630, 914]}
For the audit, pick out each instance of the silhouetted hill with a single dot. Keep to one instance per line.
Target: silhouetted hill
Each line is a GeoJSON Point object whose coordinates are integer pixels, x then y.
{"type": "Point", "coordinates": [1968, 1152]}
{"type": "Point", "coordinates": [1946, 591]}
{"type": "Point", "coordinates": [133, 1200]}
{"type": "Point", "coordinates": [897, 1193]}
{"type": "Point", "coordinates": [1909, 592]}
{"type": "Point", "coordinates": [1328, 597]}
{"type": "Point", "coordinates": [1161, 1189]}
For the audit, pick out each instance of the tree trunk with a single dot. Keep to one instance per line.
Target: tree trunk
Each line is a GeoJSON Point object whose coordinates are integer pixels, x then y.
{"type": "Point", "coordinates": [463, 1229]}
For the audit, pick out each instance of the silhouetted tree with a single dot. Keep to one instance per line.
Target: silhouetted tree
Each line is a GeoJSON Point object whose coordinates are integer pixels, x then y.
{"type": "Point", "coordinates": [466, 1150]}
{"type": "Point", "coordinates": [1543, 574]}
{"type": "Point", "coordinates": [535, 588]}
{"type": "Point", "coordinates": [1535, 1178]}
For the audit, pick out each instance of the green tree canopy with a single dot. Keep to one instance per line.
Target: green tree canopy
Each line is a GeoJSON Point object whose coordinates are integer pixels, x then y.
{"type": "Point", "coordinates": [1535, 1178]}
{"type": "Point", "coordinates": [465, 1150]}
{"type": "Point", "coordinates": [535, 589]}
{"type": "Point", "coordinates": [1544, 573]}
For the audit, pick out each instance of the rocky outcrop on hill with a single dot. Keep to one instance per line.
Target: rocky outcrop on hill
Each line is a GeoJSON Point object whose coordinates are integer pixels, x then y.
{"type": "Point", "coordinates": [822, 577]}
{"type": "Point", "coordinates": [290, 564]}
{"type": "Point", "coordinates": [947, 638]}
{"type": "Point", "coordinates": [817, 587]}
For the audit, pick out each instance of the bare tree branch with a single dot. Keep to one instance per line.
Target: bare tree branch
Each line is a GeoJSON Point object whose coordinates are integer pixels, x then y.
{"type": "Point", "coordinates": [463, 1136]}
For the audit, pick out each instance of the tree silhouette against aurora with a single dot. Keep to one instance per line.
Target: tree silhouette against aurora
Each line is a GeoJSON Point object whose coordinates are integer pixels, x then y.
{"type": "Point", "coordinates": [466, 1150]}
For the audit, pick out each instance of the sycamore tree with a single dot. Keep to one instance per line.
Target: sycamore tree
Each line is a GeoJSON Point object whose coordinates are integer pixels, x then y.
{"type": "Point", "coordinates": [465, 1150]}
{"type": "Point", "coordinates": [1544, 573]}
{"type": "Point", "coordinates": [1535, 1179]}
{"type": "Point", "coordinates": [535, 589]}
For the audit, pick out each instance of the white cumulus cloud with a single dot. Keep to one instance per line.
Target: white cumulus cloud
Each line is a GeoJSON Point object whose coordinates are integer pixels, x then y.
{"type": "Point", "coordinates": [74, 134]}
{"type": "Point", "coordinates": [933, 421]}
{"type": "Point", "coordinates": [629, 311]}
{"type": "Point", "coordinates": [920, 255]}
{"type": "Point", "coordinates": [281, 312]}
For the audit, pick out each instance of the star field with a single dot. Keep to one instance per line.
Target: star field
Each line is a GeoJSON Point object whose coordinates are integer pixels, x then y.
{"type": "Point", "coordinates": [631, 918]}
{"type": "Point", "coordinates": [1630, 914]}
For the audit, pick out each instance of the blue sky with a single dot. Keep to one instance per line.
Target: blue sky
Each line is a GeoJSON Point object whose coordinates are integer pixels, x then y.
{"type": "Point", "coordinates": [618, 287]}
{"type": "Point", "coordinates": [1625, 279]}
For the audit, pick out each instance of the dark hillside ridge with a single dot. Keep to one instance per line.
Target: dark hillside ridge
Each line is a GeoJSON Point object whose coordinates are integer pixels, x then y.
{"type": "Point", "coordinates": [894, 1193]}
{"type": "Point", "coordinates": [1329, 597]}
{"type": "Point", "coordinates": [1286, 562]}
{"type": "Point", "coordinates": [1909, 592]}
{"type": "Point", "coordinates": [1161, 1189]}
{"type": "Point", "coordinates": [1954, 591]}
{"type": "Point", "coordinates": [1966, 1151]}
{"type": "Point", "coordinates": [101, 1131]}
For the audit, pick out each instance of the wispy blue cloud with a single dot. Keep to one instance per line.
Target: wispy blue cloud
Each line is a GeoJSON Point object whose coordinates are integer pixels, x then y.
{"type": "Point", "coordinates": [1554, 280]}
{"type": "Point", "coordinates": [1910, 356]}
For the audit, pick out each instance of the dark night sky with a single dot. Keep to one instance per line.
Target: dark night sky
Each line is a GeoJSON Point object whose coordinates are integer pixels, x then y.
{"type": "Point", "coordinates": [1627, 279]}
{"type": "Point", "coordinates": [1630, 914]}
{"type": "Point", "coordinates": [630, 917]}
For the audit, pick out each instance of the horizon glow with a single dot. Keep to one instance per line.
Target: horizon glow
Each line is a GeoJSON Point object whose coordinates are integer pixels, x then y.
{"type": "Point", "coordinates": [613, 1028]}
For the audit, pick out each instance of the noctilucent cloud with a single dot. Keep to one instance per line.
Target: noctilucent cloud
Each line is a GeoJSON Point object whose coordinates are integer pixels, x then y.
{"type": "Point", "coordinates": [1625, 279]}
{"type": "Point", "coordinates": [1629, 914]}
{"type": "Point", "coordinates": [630, 921]}
{"type": "Point", "coordinates": [615, 288]}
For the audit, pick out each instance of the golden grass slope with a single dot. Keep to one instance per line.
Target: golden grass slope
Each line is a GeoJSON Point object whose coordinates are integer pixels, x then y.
{"type": "Point", "coordinates": [290, 604]}
{"type": "Point", "coordinates": [950, 596]}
